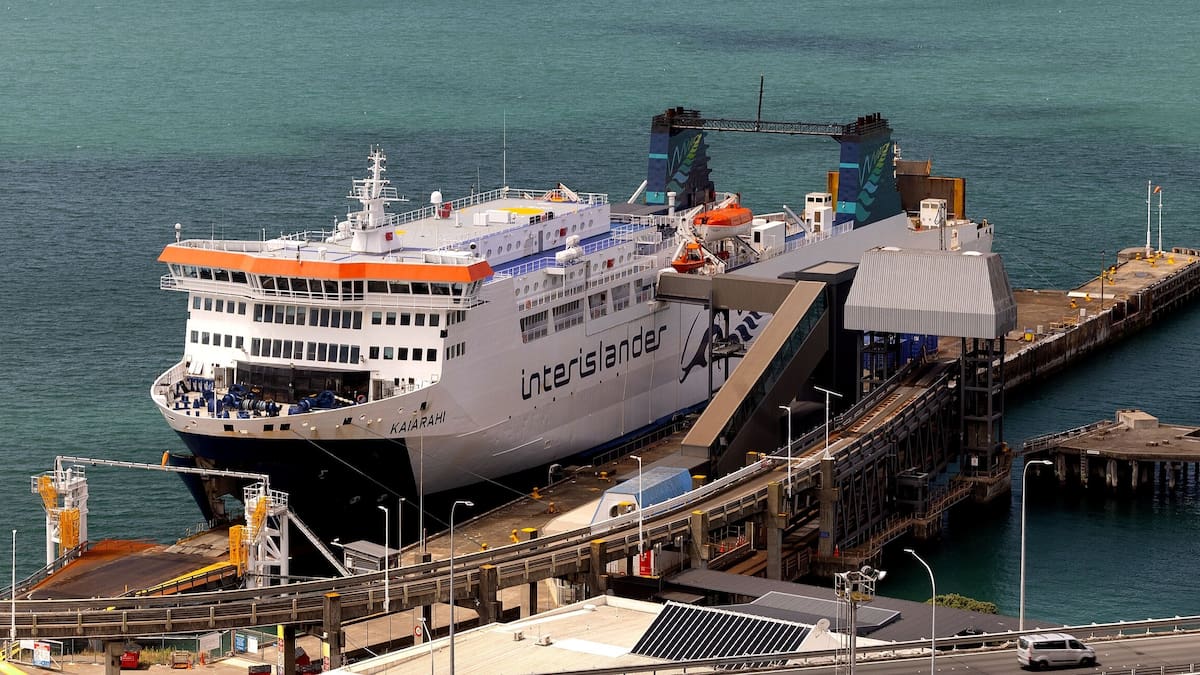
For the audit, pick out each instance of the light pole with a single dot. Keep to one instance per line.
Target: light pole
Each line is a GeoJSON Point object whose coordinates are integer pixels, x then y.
{"type": "Point", "coordinates": [12, 629]}
{"type": "Point", "coordinates": [827, 393]}
{"type": "Point", "coordinates": [788, 410]}
{"type": "Point", "coordinates": [639, 461]}
{"type": "Point", "coordinates": [429, 639]}
{"type": "Point", "coordinates": [452, 507]}
{"type": "Point", "coordinates": [400, 532]}
{"type": "Point", "coordinates": [387, 559]}
{"type": "Point", "coordinates": [932, 612]}
{"type": "Point", "coordinates": [1103, 273]}
{"type": "Point", "coordinates": [1025, 491]}
{"type": "Point", "coordinates": [856, 586]}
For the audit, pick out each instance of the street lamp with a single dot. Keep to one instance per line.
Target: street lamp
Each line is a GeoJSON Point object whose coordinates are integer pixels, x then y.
{"type": "Point", "coordinates": [856, 586]}
{"type": "Point", "coordinates": [387, 559]}
{"type": "Point", "coordinates": [788, 410]}
{"type": "Point", "coordinates": [452, 507]}
{"type": "Point", "coordinates": [827, 393]}
{"type": "Point", "coordinates": [429, 639]}
{"type": "Point", "coordinates": [12, 629]}
{"type": "Point", "coordinates": [1025, 491]}
{"type": "Point", "coordinates": [639, 461]}
{"type": "Point", "coordinates": [400, 532]}
{"type": "Point", "coordinates": [932, 612]}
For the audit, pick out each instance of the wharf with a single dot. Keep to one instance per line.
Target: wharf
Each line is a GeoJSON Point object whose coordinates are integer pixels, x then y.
{"type": "Point", "coordinates": [1121, 453]}
{"type": "Point", "coordinates": [1055, 328]}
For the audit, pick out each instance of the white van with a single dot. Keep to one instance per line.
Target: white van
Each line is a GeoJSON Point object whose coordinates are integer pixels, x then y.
{"type": "Point", "coordinates": [1053, 649]}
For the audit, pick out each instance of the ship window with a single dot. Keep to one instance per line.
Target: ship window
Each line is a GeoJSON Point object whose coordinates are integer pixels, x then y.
{"type": "Point", "coordinates": [434, 319]}
{"type": "Point", "coordinates": [287, 349]}
{"type": "Point", "coordinates": [331, 288]}
{"type": "Point", "coordinates": [255, 345]}
{"type": "Point", "coordinates": [228, 427]}
{"type": "Point", "coordinates": [221, 275]}
{"type": "Point", "coordinates": [420, 288]}
{"type": "Point", "coordinates": [268, 427]}
{"type": "Point", "coordinates": [228, 340]}
{"type": "Point", "coordinates": [208, 304]}
{"type": "Point", "coordinates": [405, 319]}
{"type": "Point", "coordinates": [314, 317]}
{"type": "Point", "coordinates": [242, 308]}
{"type": "Point", "coordinates": [205, 273]}
{"type": "Point", "coordinates": [276, 349]}
{"type": "Point", "coordinates": [322, 349]}
{"type": "Point", "coordinates": [195, 336]}
{"type": "Point", "coordinates": [391, 318]}
{"type": "Point", "coordinates": [357, 320]}
{"type": "Point", "coordinates": [419, 319]}
{"type": "Point", "coordinates": [399, 287]}
{"type": "Point", "coordinates": [216, 339]}
{"type": "Point", "coordinates": [204, 338]}
{"type": "Point", "coordinates": [387, 353]}
{"type": "Point", "coordinates": [278, 313]}
{"type": "Point", "coordinates": [347, 289]}
{"type": "Point", "coordinates": [377, 286]}
{"type": "Point", "coordinates": [355, 354]}
{"type": "Point", "coordinates": [335, 318]}
{"type": "Point", "coordinates": [267, 283]}
{"type": "Point", "coordinates": [229, 307]}
{"type": "Point", "coordinates": [598, 304]}
{"type": "Point", "coordinates": [431, 354]}
{"type": "Point", "coordinates": [196, 302]}
{"type": "Point", "coordinates": [237, 277]}
{"type": "Point", "coordinates": [285, 284]}
{"type": "Point", "coordinates": [344, 353]}
{"type": "Point", "coordinates": [312, 351]}
{"type": "Point", "coordinates": [416, 354]}
{"type": "Point", "coordinates": [440, 289]}
{"type": "Point", "coordinates": [373, 353]}
{"type": "Point", "coordinates": [299, 353]}
{"type": "Point", "coordinates": [239, 343]}
{"type": "Point", "coordinates": [347, 319]}
{"type": "Point", "coordinates": [289, 315]}
{"type": "Point", "coordinates": [285, 427]}
{"type": "Point", "coordinates": [401, 353]}
{"type": "Point", "coordinates": [620, 297]}
{"type": "Point", "coordinates": [376, 318]}
{"type": "Point", "coordinates": [324, 319]}
{"type": "Point", "coordinates": [220, 306]}
{"type": "Point", "coordinates": [567, 315]}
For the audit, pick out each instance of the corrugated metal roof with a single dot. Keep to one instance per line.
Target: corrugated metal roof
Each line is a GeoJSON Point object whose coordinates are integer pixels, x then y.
{"type": "Point", "coordinates": [684, 632]}
{"type": "Point", "coordinates": [931, 293]}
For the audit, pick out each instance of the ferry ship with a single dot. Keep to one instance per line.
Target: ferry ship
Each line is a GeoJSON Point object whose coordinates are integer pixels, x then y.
{"type": "Point", "coordinates": [413, 354]}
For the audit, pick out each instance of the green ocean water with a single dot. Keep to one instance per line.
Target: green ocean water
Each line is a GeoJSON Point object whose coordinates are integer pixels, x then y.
{"type": "Point", "coordinates": [118, 120]}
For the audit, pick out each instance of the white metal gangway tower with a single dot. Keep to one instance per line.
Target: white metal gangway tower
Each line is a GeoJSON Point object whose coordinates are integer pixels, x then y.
{"type": "Point", "coordinates": [260, 548]}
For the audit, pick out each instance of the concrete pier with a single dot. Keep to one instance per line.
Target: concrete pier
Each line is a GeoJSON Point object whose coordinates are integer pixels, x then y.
{"type": "Point", "coordinates": [1121, 455]}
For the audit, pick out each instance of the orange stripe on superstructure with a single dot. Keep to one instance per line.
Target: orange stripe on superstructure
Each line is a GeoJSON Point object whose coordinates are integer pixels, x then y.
{"type": "Point", "coordinates": [324, 269]}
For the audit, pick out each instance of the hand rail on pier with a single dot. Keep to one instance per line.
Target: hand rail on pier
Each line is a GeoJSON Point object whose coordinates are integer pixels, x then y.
{"type": "Point", "coordinates": [1046, 441]}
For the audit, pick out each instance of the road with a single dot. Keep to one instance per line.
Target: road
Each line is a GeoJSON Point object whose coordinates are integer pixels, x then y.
{"type": "Point", "coordinates": [1145, 654]}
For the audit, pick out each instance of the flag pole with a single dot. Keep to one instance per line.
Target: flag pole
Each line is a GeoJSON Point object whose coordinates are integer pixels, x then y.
{"type": "Point", "coordinates": [1158, 189]}
{"type": "Point", "coordinates": [1148, 186]}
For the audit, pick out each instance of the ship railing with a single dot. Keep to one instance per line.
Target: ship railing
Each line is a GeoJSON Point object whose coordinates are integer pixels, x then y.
{"type": "Point", "coordinates": [479, 198]}
{"type": "Point", "coordinates": [1046, 441]}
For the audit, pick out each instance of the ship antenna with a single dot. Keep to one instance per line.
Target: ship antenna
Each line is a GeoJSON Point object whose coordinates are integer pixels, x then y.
{"type": "Point", "coordinates": [504, 148]}
{"type": "Point", "coordinates": [758, 120]}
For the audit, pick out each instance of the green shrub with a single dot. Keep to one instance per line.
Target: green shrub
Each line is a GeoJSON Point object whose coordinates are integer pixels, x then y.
{"type": "Point", "coordinates": [957, 601]}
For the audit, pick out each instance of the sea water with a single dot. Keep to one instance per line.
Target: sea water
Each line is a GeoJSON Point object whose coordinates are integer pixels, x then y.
{"type": "Point", "coordinates": [118, 120]}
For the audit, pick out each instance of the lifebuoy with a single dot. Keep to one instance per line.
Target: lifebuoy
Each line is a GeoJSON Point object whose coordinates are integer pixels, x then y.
{"type": "Point", "coordinates": [360, 398]}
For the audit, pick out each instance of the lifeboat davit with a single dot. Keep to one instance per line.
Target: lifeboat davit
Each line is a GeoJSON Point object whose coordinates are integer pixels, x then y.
{"type": "Point", "coordinates": [723, 223]}
{"type": "Point", "coordinates": [690, 259]}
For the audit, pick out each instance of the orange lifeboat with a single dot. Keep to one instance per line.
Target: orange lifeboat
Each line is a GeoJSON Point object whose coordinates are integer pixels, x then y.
{"type": "Point", "coordinates": [723, 223]}
{"type": "Point", "coordinates": [690, 259]}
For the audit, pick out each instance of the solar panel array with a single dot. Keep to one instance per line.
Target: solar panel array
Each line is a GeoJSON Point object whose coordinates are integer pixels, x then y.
{"type": "Point", "coordinates": [685, 632]}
